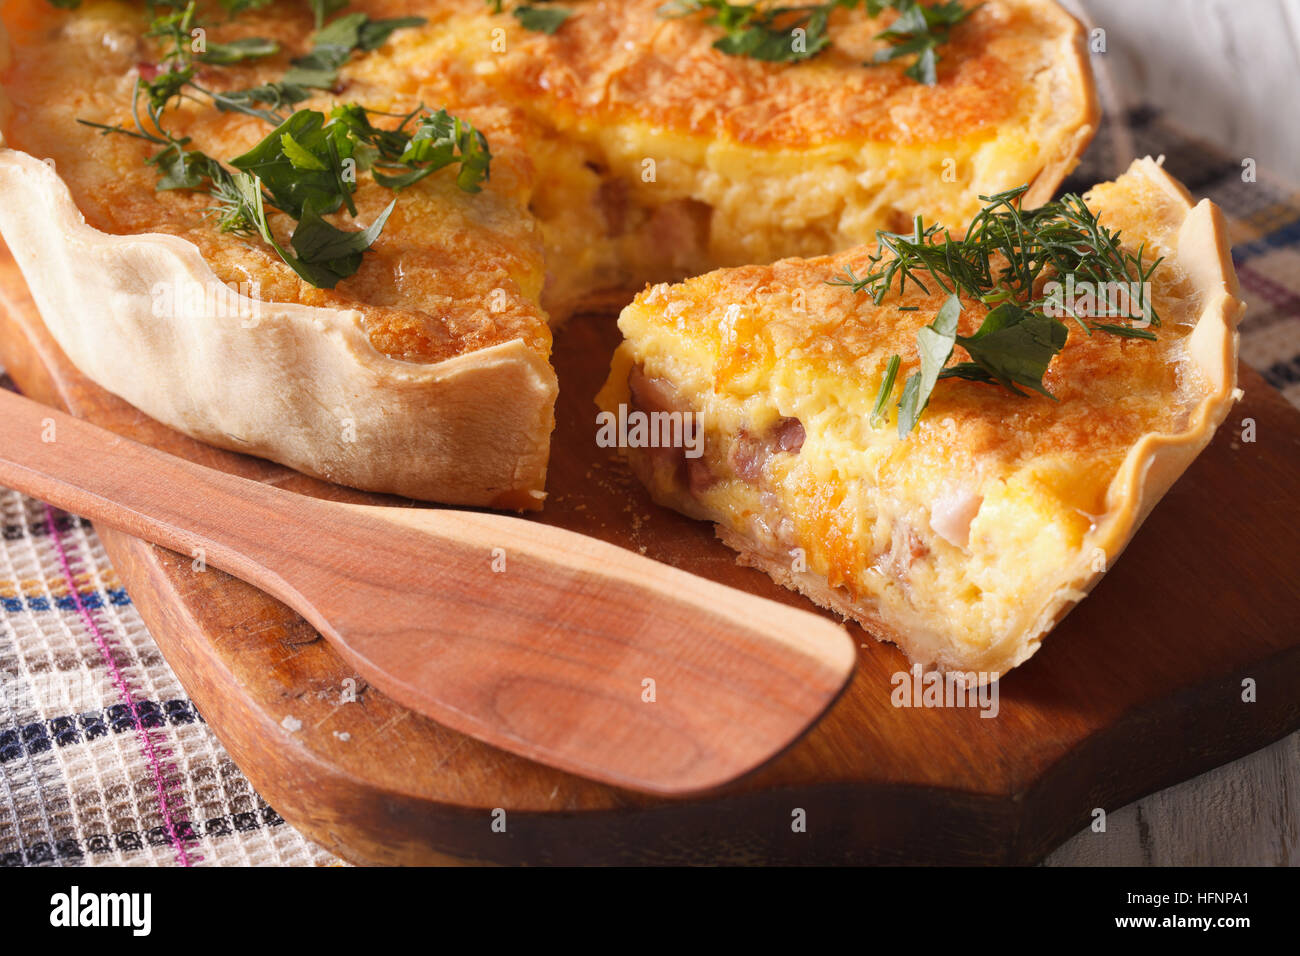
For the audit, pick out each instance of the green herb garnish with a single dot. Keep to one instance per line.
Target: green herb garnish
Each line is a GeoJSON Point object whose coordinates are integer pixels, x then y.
{"type": "Point", "coordinates": [234, 8]}
{"type": "Point", "coordinates": [886, 389]}
{"type": "Point", "coordinates": [541, 19]}
{"type": "Point", "coordinates": [236, 51]}
{"type": "Point", "coordinates": [1007, 260]}
{"type": "Point", "coordinates": [276, 96]}
{"type": "Point", "coordinates": [934, 342]}
{"type": "Point", "coordinates": [1012, 347]}
{"type": "Point", "coordinates": [301, 163]}
{"type": "Point", "coordinates": [325, 253]}
{"type": "Point", "coordinates": [334, 44]}
{"type": "Point", "coordinates": [324, 9]}
{"type": "Point", "coordinates": [761, 31]}
{"type": "Point", "coordinates": [306, 167]}
{"type": "Point", "coordinates": [177, 27]}
{"type": "Point", "coordinates": [919, 30]}
{"type": "Point", "coordinates": [545, 19]}
{"type": "Point", "coordinates": [788, 34]}
{"type": "Point", "coordinates": [439, 140]}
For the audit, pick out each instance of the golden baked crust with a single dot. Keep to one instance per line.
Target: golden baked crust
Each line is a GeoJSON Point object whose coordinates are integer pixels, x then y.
{"type": "Point", "coordinates": [749, 161]}
{"type": "Point", "coordinates": [965, 541]}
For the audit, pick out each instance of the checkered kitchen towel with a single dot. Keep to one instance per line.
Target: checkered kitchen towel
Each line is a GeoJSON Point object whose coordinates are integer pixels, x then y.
{"type": "Point", "coordinates": [103, 758]}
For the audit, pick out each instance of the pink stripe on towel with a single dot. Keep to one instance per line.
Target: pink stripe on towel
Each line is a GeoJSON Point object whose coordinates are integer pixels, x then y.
{"type": "Point", "coordinates": [168, 800]}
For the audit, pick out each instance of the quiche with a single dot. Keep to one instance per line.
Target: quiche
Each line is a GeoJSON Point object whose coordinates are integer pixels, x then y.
{"type": "Point", "coordinates": [403, 344]}
{"type": "Point", "coordinates": [964, 535]}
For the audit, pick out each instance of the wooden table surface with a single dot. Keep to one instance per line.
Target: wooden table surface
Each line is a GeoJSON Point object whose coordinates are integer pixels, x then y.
{"type": "Point", "coordinates": [1227, 70]}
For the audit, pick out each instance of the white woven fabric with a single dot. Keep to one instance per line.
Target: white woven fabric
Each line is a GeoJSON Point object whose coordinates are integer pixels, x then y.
{"type": "Point", "coordinates": [103, 758]}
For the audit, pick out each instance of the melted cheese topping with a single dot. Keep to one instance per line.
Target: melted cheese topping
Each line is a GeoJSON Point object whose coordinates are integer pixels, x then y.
{"type": "Point", "coordinates": [625, 149]}
{"type": "Point", "coordinates": [959, 525]}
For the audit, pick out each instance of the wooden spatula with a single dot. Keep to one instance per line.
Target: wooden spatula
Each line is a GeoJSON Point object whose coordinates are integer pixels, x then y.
{"type": "Point", "coordinates": [543, 642]}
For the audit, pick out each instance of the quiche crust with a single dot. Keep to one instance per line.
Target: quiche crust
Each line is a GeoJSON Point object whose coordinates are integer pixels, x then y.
{"type": "Point", "coordinates": [298, 384]}
{"type": "Point", "coordinates": [968, 541]}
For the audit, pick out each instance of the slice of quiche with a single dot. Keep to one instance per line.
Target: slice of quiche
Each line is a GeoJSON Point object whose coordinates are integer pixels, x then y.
{"type": "Point", "coordinates": [965, 528]}
{"type": "Point", "coordinates": [497, 173]}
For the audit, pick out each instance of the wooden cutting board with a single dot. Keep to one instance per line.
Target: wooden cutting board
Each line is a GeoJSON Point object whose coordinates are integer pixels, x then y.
{"type": "Point", "coordinates": [1139, 688]}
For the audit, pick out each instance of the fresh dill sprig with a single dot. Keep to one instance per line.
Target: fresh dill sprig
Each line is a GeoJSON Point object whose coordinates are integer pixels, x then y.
{"type": "Point", "coordinates": [1013, 261]}
{"type": "Point", "coordinates": [1004, 252]}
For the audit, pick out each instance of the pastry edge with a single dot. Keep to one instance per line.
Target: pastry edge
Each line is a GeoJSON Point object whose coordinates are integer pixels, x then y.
{"type": "Point", "coordinates": [1157, 459]}
{"type": "Point", "coordinates": [1069, 137]}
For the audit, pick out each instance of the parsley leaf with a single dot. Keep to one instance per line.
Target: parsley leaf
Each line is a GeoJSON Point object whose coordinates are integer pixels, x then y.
{"type": "Point", "coordinates": [372, 144]}
{"type": "Point", "coordinates": [1012, 347]}
{"type": "Point", "coordinates": [399, 158]}
{"type": "Point", "coordinates": [934, 343]}
{"type": "Point", "coordinates": [324, 9]}
{"type": "Point", "coordinates": [298, 156]}
{"type": "Point", "coordinates": [301, 163]}
{"type": "Point", "coordinates": [325, 253]}
{"type": "Point", "coordinates": [541, 19]}
{"type": "Point", "coordinates": [762, 32]}
{"type": "Point", "coordinates": [331, 48]}
{"type": "Point", "coordinates": [375, 33]}
{"type": "Point", "coordinates": [329, 253]}
{"type": "Point", "coordinates": [334, 44]}
{"type": "Point", "coordinates": [794, 33]}
{"type": "Point", "coordinates": [918, 31]}
{"type": "Point", "coordinates": [440, 140]}
{"type": "Point", "coordinates": [179, 168]}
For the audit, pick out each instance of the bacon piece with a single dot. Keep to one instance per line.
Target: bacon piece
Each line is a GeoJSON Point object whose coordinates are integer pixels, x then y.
{"type": "Point", "coordinates": [747, 456]}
